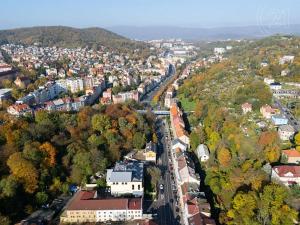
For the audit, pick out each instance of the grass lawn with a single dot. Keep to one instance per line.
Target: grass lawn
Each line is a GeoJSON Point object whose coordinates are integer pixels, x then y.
{"type": "Point", "coordinates": [187, 105]}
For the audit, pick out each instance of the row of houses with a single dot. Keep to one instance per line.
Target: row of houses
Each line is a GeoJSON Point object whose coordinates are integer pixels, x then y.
{"type": "Point", "coordinates": [193, 204]}
{"type": "Point", "coordinates": [285, 130]}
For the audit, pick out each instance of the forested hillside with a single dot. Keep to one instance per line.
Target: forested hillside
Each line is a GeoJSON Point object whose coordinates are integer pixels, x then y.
{"type": "Point", "coordinates": [69, 37]}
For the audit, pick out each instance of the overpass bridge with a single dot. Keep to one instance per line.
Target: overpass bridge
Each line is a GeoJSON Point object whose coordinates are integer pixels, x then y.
{"type": "Point", "coordinates": [156, 112]}
{"type": "Point", "coordinates": [161, 112]}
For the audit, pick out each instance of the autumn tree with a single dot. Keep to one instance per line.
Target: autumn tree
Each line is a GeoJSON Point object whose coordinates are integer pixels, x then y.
{"type": "Point", "coordinates": [224, 156]}
{"type": "Point", "coordinates": [268, 141]}
{"type": "Point", "coordinates": [50, 153]}
{"type": "Point", "coordinates": [24, 171]}
{"type": "Point", "coordinates": [272, 208]}
{"type": "Point", "coordinates": [243, 210]}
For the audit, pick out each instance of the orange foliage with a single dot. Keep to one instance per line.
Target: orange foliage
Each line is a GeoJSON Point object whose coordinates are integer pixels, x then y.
{"type": "Point", "coordinates": [50, 150]}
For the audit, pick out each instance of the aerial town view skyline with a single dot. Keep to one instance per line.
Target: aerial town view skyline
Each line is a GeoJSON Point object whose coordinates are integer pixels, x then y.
{"type": "Point", "coordinates": [150, 112]}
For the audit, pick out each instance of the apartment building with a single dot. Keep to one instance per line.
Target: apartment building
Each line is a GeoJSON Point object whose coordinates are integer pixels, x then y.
{"type": "Point", "coordinates": [86, 206]}
{"type": "Point", "coordinates": [125, 96]}
{"type": "Point", "coordinates": [5, 94]}
{"type": "Point", "coordinates": [19, 110]}
{"type": "Point", "coordinates": [126, 178]}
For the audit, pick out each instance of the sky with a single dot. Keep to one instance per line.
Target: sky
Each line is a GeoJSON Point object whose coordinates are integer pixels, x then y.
{"type": "Point", "coordinates": [181, 13]}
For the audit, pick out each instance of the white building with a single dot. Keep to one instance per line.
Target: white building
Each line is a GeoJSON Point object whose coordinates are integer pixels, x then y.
{"type": "Point", "coordinates": [286, 59]}
{"type": "Point", "coordinates": [74, 85]}
{"type": "Point", "coordinates": [287, 174]}
{"type": "Point", "coordinates": [275, 86]}
{"type": "Point", "coordinates": [269, 80]}
{"type": "Point", "coordinates": [178, 144]}
{"type": "Point", "coordinates": [126, 178]}
{"type": "Point", "coordinates": [285, 132]}
{"type": "Point", "coordinates": [85, 206]}
{"type": "Point", "coordinates": [5, 94]}
{"type": "Point", "coordinates": [219, 51]}
{"type": "Point", "coordinates": [202, 152]}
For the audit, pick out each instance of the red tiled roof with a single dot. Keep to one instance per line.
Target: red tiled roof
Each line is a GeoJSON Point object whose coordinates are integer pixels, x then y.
{"type": "Point", "coordinates": [181, 162]}
{"type": "Point", "coordinates": [291, 153]}
{"type": "Point", "coordinates": [84, 201]}
{"type": "Point", "coordinates": [247, 105]}
{"type": "Point", "coordinates": [196, 220]}
{"type": "Point", "coordinates": [283, 170]}
{"type": "Point", "coordinates": [134, 204]}
{"type": "Point", "coordinates": [148, 222]}
{"type": "Point", "coordinates": [20, 107]}
{"type": "Point", "coordinates": [192, 206]}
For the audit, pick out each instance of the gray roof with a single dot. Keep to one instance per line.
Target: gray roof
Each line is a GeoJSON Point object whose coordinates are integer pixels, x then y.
{"type": "Point", "coordinates": [287, 128]}
{"type": "Point", "coordinates": [202, 150]}
{"type": "Point", "coordinates": [126, 172]}
{"type": "Point", "coordinates": [5, 91]}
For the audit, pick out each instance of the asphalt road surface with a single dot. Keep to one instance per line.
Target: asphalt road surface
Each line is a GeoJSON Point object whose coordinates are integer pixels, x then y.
{"type": "Point", "coordinates": [292, 120]}
{"type": "Point", "coordinates": [149, 96]}
{"type": "Point", "coordinates": [166, 208]}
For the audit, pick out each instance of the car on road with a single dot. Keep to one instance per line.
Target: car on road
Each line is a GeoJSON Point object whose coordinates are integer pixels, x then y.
{"type": "Point", "coordinates": [161, 187]}
{"type": "Point", "coordinates": [174, 187]}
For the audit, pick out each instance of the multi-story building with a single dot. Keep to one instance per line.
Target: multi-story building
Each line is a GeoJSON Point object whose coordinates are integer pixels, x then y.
{"type": "Point", "coordinates": [178, 125]}
{"type": "Point", "coordinates": [126, 178]}
{"type": "Point", "coordinates": [287, 174]}
{"type": "Point", "coordinates": [5, 94]}
{"type": "Point", "coordinates": [72, 84]}
{"type": "Point", "coordinates": [19, 110]}
{"type": "Point", "coordinates": [85, 206]}
{"type": "Point", "coordinates": [125, 96]}
{"type": "Point", "coordinates": [285, 132]}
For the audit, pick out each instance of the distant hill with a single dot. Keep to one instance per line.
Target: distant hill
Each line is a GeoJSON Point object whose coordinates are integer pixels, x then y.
{"type": "Point", "coordinates": [211, 34]}
{"type": "Point", "coordinates": [68, 37]}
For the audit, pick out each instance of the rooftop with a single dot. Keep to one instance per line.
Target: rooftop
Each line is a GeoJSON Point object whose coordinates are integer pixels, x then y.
{"type": "Point", "coordinates": [126, 172]}
{"type": "Point", "coordinates": [87, 200]}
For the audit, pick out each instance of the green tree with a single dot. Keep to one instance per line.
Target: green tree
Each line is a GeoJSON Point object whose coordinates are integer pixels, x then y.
{"type": "Point", "coordinates": [8, 186]}
{"type": "Point", "coordinates": [4, 220]}
{"type": "Point", "coordinates": [101, 122]}
{"type": "Point", "coordinates": [155, 175]}
{"type": "Point", "coordinates": [41, 198]}
{"type": "Point", "coordinates": [272, 208]}
{"type": "Point", "coordinates": [139, 140]}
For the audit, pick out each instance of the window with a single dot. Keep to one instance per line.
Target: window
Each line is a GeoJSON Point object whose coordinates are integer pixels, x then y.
{"type": "Point", "coordinates": [133, 187]}
{"type": "Point", "coordinates": [139, 187]}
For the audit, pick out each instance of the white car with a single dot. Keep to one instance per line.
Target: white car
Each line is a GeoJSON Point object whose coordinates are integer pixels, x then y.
{"type": "Point", "coordinates": [161, 187]}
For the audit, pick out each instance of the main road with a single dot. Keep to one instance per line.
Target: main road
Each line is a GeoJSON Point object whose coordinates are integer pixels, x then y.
{"type": "Point", "coordinates": [166, 203]}
{"type": "Point", "coordinates": [149, 96]}
{"type": "Point", "coordinates": [285, 111]}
